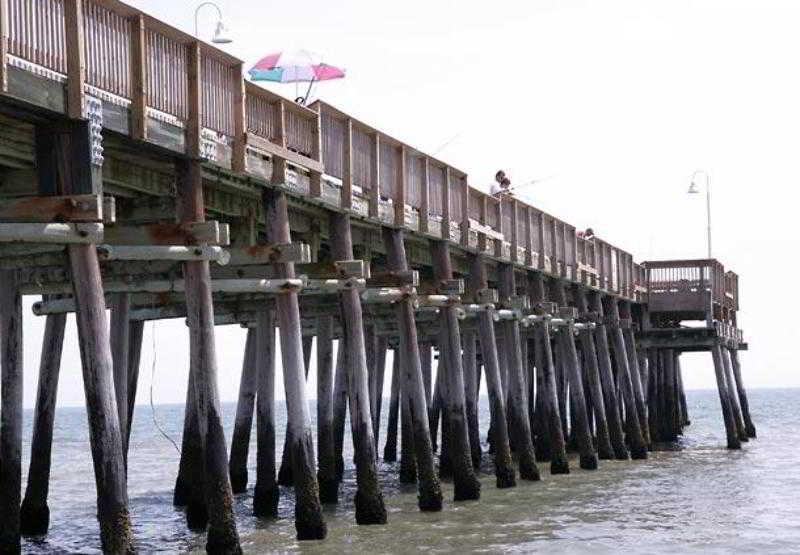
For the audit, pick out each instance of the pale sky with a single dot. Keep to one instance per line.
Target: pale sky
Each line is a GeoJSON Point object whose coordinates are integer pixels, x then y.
{"type": "Point", "coordinates": [618, 101]}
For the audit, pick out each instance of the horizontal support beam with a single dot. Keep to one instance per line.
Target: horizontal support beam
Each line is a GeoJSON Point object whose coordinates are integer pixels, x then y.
{"type": "Point", "coordinates": [166, 286]}
{"type": "Point", "coordinates": [169, 234]}
{"type": "Point", "coordinates": [58, 209]}
{"type": "Point", "coordinates": [394, 279]}
{"type": "Point", "coordinates": [146, 252]}
{"type": "Point", "coordinates": [298, 253]}
{"type": "Point", "coordinates": [59, 234]}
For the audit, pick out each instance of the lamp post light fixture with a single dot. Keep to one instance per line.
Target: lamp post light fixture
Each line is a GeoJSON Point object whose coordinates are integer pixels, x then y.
{"type": "Point", "coordinates": [694, 190]}
{"type": "Point", "coordinates": [221, 33]}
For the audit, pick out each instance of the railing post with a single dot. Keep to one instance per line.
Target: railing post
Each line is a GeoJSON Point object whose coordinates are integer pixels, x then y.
{"type": "Point", "coordinates": [76, 58]}
{"type": "Point", "coordinates": [446, 204]}
{"type": "Point", "coordinates": [528, 236]}
{"type": "Point", "coordinates": [138, 129]}
{"type": "Point", "coordinates": [375, 191]}
{"type": "Point", "coordinates": [464, 212]}
{"type": "Point", "coordinates": [4, 45]}
{"type": "Point", "coordinates": [239, 154]}
{"type": "Point", "coordinates": [541, 246]}
{"type": "Point", "coordinates": [425, 192]}
{"type": "Point", "coordinates": [514, 237]}
{"type": "Point", "coordinates": [347, 169]}
{"type": "Point", "coordinates": [400, 194]}
{"type": "Point", "coordinates": [315, 186]}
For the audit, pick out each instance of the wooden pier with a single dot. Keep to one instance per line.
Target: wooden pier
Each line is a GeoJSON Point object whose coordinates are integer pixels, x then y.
{"type": "Point", "coordinates": [139, 172]}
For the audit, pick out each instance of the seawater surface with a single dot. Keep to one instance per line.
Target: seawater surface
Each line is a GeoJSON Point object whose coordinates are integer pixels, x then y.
{"type": "Point", "coordinates": [694, 496]}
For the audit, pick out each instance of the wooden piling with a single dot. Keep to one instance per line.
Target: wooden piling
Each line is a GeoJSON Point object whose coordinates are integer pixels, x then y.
{"type": "Point", "coordinates": [635, 438]}
{"type": "Point", "coordinates": [390, 448]}
{"type": "Point", "coordinates": [503, 467]}
{"type": "Point", "coordinates": [11, 411]}
{"type": "Point", "coordinates": [430, 494]}
{"type": "Point", "coordinates": [681, 391]}
{"type": "Point", "coordinates": [613, 409]}
{"type": "Point", "coordinates": [120, 352]}
{"type": "Point", "coordinates": [308, 511]}
{"type": "Point", "coordinates": [470, 362]}
{"type": "Point", "coordinates": [408, 463]}
{"type": "Point", "coordinates": [725, 402]}
{"type": "Point", "coordinates": [382, 346]}
{"type": "Point", "coordinates": [34, 512]}
{"type": "Point", "coordinates": [546, 366]}
{"type": "Point", "coordinates": [732, 395]}
{"type": "Point", "coordinates": [635, 372]}
{"type": "Point", "coordinates": [243, 424]}
{"type": "Point", "coordinates": [737, 374]}
{"type": "Point", "coordinates": [591, 368]}
{"type": "Point", "coordinates": [370, 508]}
{"type": "Point", "coordinates": [520, 426]}
{"type": "Point", "coordinates": [266, 493]}
{"type": "Point", "coordinates": [326, 449]}
{"type": "Point", "coordinates": [670, 414]}
{"type": "Point", "coordinates": [136, 335]}
{"type": "Point", "coordinates": [465, 482]}
{"type": "Point", "coordinates": [189, 490]}
{"type": "Point", "coordinates": [339, 408]}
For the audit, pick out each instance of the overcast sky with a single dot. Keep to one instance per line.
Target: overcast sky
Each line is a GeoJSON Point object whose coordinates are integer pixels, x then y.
{"type": "Point", "coordinates": [617, 102]}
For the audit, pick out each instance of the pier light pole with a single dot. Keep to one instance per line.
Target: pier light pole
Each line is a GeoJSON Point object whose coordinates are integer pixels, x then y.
{"type": "Point", "coordinates": [221, 35]}
{"type": "Point", "coordinates": [694, 190]}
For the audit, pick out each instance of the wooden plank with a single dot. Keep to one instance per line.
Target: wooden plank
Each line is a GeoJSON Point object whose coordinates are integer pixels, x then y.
{"type": "Point", "coordinates": [138, 125]}
{"type": "Point", "coordinates": [167, 234]}
{"type": "Point", "coordinates": [76, 58]}
{"type": "Point", "coordinates": [347, 170]}
{"type": "Point", "coordinates": [59, 234]}
{"type": "Point", "coordinates": [400, 194]}
{"type": "Point", "coordinates": [298, 253]}
{"type": "Point", "coordinates": [284, 153]}
{"type": "Point", "coordinates": [46, 209]}
{"type": "Point", "coordinates": [193, 125]}
{"type": "Point", "coordinates": [375, 168]}
{"type": "Point", "coordinates": [425, 205]}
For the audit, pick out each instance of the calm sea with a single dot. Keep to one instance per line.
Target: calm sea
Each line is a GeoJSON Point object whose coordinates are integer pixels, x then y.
{"type": "Point", "coordinates": [695, 497]}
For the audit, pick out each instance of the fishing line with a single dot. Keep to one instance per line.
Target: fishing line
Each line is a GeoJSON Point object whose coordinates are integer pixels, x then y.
{"type": "Point", "coordinates": [152, 405]}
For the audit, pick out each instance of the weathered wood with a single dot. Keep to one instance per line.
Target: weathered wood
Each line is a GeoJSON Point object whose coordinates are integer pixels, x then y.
{"type": "Point", "coordinates": [732, 395]}
{"type": "Point", "coordinates": [326, 449]}
{"type": "Point", "coordinates": [308, 512]}
{"type": "Point", "coordinates": [470, 363]}
{"type": "Point", "coordinates": [243, 424]}
{"type": "Point", "coordinates": [634, 436]}
{"type": "Point", "coordinates": [340, 408]}
{"type": "Point", "coordinates": [408, 463]}
{"type": "Point", "coordinates": [725, 402]}
{"type": "Point", "coordinates": [681, 391]}
{"type": "Point", "coordinates": [120, 351]}
{"type": "Point", "coordinates": [51, 209]}
{"type": "Point", "coordinates": [635, 372]}
{"type": "Point", "coordinates": [411, 382]}
{"type": "Point", "coordinates": [136, 335]}
{"type": "Point", "coordinates": [11, 411]}
{"type": "Point", "coordinates": [591, 368]}
{"type": "Point", "coordinates": [671, 426]}
{"type": "Point", "coordinates": [34, 512]}
{"type": "Point", "coordinates": [381, 347]}
{"type": "Point", "coordinates": [266, 493]}
{"type": "Point", "coordinates": [390, 447]}
{"type": "Point", "coordinates": [572, 370]}
{"type": "Point", "coordinates": [189, 491]}
{"type": "Point", "coordinates": [370, 508]}
{"type": "Point", "coordinates": [222, 535]}
{"type": "Point", "coordinates": [466, 484]}
{"type": "Point", "coordinates": [519, 423]}
{"type": "Point", "coordinates": [737, 374]}
{"type": "Point", "coordinates": [52, 233]}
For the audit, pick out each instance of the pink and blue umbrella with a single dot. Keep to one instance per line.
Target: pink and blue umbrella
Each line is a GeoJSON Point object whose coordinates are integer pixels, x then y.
{"type": "Point", "coordinates": [293, 67]}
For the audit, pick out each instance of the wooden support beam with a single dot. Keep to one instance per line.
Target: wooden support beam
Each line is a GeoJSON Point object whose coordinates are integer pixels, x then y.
{"type": "Point", "coordinates": [54, 234]}
{"type": "Point", "coordinates": [308, 512]}
{"type": "Point", "coordinates": [35, 513]}
{"type": "Point", "coordinates": [243, 423]}
{"type": "Point", "coordinates": [326, 448]}
{"type": "Point", "coordinates": [737, 374]}
{"type": "Point", "coordinates": [727, 411]}
{"type": "Point", "coordinates": [239, 147]}
{"type": "Point", "coordinates": [266, 493]}
{"type": "Point", "coordinates": [732, 395]}
{"type": "Point", "coordinates": [11, 408]}
{"type": "Point", "coordinates": [430, 493]}
{"type": "Point", "coordinates": [50, 209]}
{"type": "Point", "coordinates": [5, 17]}
{"type": "Point", "coordinates": [610, 398]}
{"type": "Point", "coordinates": [150, 253]}
{"type": "Point", "coordinates": [504, 470]}
{"type": "Point", "coordinates": [120, 345]}
{"type": "Point", "coordinates": [370, 508]}
{"type": "Point", "coordinates": [208, 233]}
{"type": "Point", "coordinates": [633, 364]}
{"type": "Point", "coordinates": [76, 58]}
{"type": "Point", "coordinates": [299, 253]}
{"type": "Point", "coordinates": [465, 482]}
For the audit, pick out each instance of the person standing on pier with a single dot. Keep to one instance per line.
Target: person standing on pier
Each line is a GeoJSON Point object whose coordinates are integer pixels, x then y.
{"type": "Point", "coordinates": [502, 185]}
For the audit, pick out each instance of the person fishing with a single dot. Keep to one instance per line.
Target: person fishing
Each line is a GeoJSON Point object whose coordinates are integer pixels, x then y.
{"type": "Point", "coordinates": [502, 185]}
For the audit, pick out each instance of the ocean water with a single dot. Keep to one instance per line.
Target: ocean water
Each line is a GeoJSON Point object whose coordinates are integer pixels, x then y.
{"type": "Point", "coordinates": [693, 496]}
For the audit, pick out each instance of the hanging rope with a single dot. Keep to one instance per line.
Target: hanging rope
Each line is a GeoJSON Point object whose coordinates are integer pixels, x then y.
{"type": "Point", "coordinates": [152, 405]}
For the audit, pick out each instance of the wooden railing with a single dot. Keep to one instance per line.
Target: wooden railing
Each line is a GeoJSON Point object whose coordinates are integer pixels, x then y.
{"type": "Point", "coordinates": [161, 74]}
{"type": "Point", "coordinates": [704, 277]}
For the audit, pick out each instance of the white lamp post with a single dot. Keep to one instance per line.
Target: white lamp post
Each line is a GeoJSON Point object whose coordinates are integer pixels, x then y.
{"type": "Point", "coordinates": [221, 35]}
{"type": "Point", "coordinates": [694, 190]}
